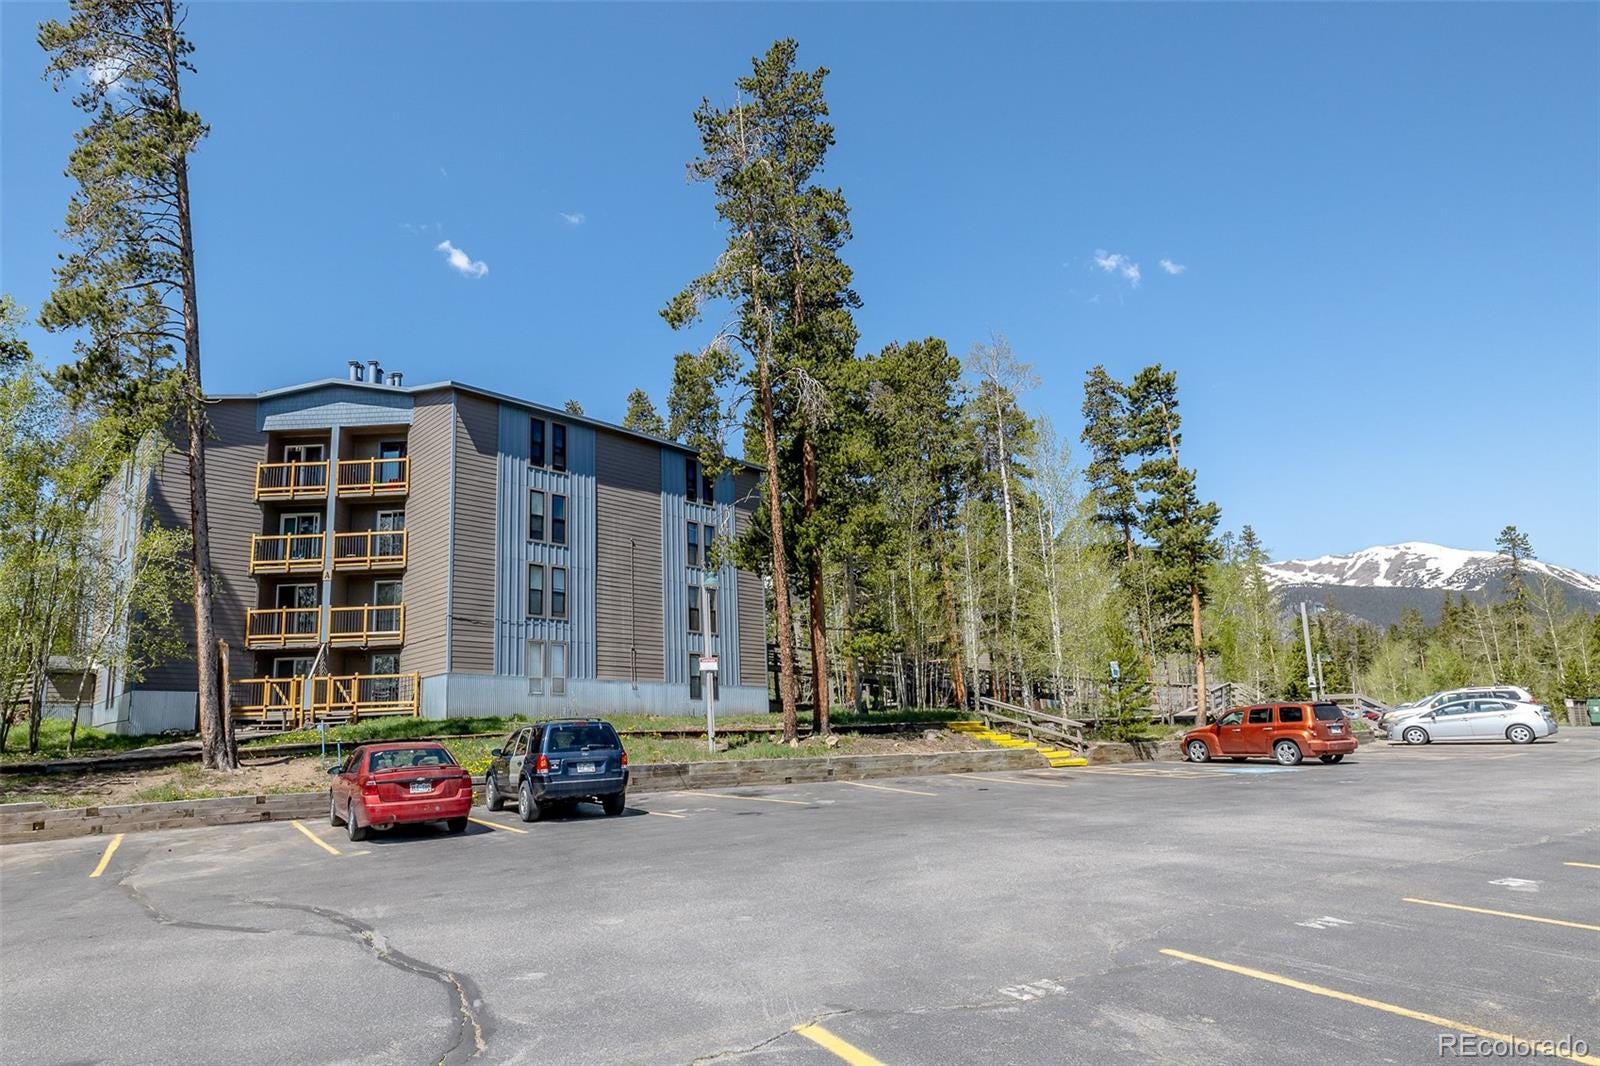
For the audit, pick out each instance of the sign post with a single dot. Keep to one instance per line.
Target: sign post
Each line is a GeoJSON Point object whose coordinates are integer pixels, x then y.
{"type": "Point", "coordinates": [708, 658]}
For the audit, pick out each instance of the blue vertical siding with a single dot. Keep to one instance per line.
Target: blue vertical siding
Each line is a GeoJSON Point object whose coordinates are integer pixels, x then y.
{"type": "Point", "coordinates": [677, 575]}
{"type": "Point", "coordinates": [514, 552]}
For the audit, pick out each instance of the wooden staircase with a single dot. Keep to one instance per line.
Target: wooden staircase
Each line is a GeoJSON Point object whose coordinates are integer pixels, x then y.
{"type": "Point", "coordinates": [1057, 757]}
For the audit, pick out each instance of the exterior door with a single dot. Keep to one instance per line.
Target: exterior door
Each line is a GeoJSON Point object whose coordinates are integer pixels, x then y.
{"type": "Point", "coordinates": [300, 527]}
{"type": "Point", "coordinates": [390, 470]}
{"type": "Point", "coordinates": [307, 477]}
{"type": "Point", "coordinates": [385, 599]}
{"type": "Point", "coordinates": [390, 523]}
{"type": "Point", "coordinates": [1453, 721]}
{"type": "Point", "coordinates": [1230, 733]}
{"type": "Point", "coordinates": [302, 617]}
{"type": "Point", "coordinates": [519, 752]}
{"type": "Point", "coordinates": [1489, 718]}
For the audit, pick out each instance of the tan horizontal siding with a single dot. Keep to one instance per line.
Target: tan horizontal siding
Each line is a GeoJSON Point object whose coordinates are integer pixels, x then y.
{"type": "Point", "coordinates": [427, 577]}
{"type": "Point", "coordinates": [477, 435]}
{"type": "Point", "coordinates": [628, 586]}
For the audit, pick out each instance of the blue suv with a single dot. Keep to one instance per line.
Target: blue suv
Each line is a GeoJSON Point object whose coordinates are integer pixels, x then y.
{"type": "Point", "coordinates": [560, 762]}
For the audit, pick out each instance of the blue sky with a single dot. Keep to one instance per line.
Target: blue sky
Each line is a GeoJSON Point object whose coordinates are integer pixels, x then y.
{"type": "Point", "coordinates": [1385, 326]}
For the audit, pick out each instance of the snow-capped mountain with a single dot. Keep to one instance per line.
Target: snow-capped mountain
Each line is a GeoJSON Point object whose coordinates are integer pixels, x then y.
{"type": "Point", "coordinates": [1416, 564]}
{"type": "Point", "coordinates": [1377, 584]}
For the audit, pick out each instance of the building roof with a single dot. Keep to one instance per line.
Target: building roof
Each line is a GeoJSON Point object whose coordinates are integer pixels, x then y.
{"type": "Point", "coordinates": [433, 386]}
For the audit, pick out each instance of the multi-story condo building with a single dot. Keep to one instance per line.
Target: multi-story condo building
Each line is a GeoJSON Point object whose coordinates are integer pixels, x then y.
{"type": "Point", "coordinates": [446, 550]}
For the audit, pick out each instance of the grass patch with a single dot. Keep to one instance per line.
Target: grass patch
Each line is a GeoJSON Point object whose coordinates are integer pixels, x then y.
{"type": "Point", "coordinates": [53, 741]}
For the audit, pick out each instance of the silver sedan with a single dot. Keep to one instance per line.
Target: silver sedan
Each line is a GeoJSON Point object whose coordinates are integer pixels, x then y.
{"type": "Point", "coordinates": [1520, 723]}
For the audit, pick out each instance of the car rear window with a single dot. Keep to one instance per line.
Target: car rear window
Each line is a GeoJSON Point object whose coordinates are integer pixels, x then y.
{"type": "Point", "coordinates": [406, 758]}
{"type": "Point", "coordinates": [1291, 714]}
{"type": "Point", "coordinates": [581, 735]}
{"type": "Point", "coordinates": [1505, 694]}
{"type": "Point", "coordinates": [1327, 712]}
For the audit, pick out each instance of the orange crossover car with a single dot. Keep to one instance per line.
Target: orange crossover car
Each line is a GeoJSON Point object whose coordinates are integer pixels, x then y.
{"type": "Point", "coordinates": [1284, 732]}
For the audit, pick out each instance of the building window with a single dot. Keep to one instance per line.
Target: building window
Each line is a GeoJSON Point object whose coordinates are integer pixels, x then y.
{"type": "Point", "coordinates": [694, 543]}
{"type": "Point", "coordinates": [694, 676]}
{"type": "Point", "coordinates": [558, 446]}
{"type": "Point", "coordinates": [535, 590]}
{"type": "Point", "coordinates": [691, 477]}
{"type": "Point", "coordinates": [536, 442]}
{"type": "Point", "coordinates": [558, 519]}
{"type": "Point", "coordinates": [711, 605]}
{"type": "Point", "coordinates": [535, 515]}
{"type": "Point", "coordinates": [707, 489]}
{"type": "Point", "coordinates": [711, 536]}
{"type": "Point", "coordinates": [533, 666]}
{"type": "Point", "coordinates": [558, 592]}
{"type": "Point", "coordinates": [558, 669]}
{"type": "Point", "coordinates": [694, 608]}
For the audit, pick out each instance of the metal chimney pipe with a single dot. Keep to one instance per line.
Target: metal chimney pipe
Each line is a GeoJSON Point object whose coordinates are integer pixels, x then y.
{"type": "Point", "coordinates": [374, 372]}
{"type": "Point", "coordinates": [396, 378]}
{"type": "Point", "coordinates": [356, 370]}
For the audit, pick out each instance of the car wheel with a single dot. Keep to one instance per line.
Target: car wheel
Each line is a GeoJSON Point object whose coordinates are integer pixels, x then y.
{"type": "Point", "coordinates": [1287, 752]}
{"type": "Point", "coordinates": [1336, 758]}
{"type": "Point", "coordinates": [527, 809]}
{"type": "Point", "coordinates": [456, 825]}
{"type": "Point", "coordinates": [1520, 734]}
{"type": "Point", "coordinates": [1197, 751]}
{"type": "Point", "coordinates": [1414, 735]}
{"type": "Point", "coordinates": [1327, 760]}
{"type": "Point", "coordinates": [614, 804]}
{"type": "Point", "coordinates": [491, 793]}
{"type": "Point", "coordinates": [333, 810]}
{"type": "Point", "coordinates": [352, 828]}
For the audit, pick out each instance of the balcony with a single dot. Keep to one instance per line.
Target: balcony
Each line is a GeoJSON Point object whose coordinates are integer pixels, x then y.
{"type": "Point", "coordinates": [279, 702]}
{"type": "Point", "coordinates": [283, 627]}
{"type": "Point", "coordinates": [374, 477]}
{"type": "Point", "coordinates": [285, 553]}
{"type": "Point", "coordinates": [370, 550]}
{"type": "Point", "coordinates": [292, 481]}
{"type": "Point", "coordinates": [366, 627]}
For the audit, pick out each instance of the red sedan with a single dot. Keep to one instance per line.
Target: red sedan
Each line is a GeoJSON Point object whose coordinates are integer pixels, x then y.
{"type": "Point", "coordinates": [384, 785]}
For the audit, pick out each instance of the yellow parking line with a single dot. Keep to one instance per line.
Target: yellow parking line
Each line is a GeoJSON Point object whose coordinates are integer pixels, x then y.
{"type": "Point", "coordinates": [666, 814]}
{"type": "Point", "coordinates": [1020, 781]}
{"type": "Point", "coordinates": [757, 799]}
{"type": "Point", "coordinates": [888, 788]}
{"type": "Point", "coordinates": [1375, 1004]}
{"type": "Point", "coordinates": [496, 825]}
{"type": "Point", "coordinates": [846, 1051]}
{"type": "Point", "coordinates": [1584, 865]}
{"type": "Point", "coordinates": [318, 841]}
{"type": "Point", "coordinates": [105, 858]}
{"type": "Point", "coordinates": [1502, 914]}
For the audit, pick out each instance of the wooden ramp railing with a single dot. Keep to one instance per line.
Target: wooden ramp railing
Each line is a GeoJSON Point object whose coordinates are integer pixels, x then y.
{"type": "Point", "coordinates": [1035, 725]}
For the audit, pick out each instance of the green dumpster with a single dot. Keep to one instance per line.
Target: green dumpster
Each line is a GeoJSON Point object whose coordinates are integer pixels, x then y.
{"type": "Point", "coordinates": [1594, 712]}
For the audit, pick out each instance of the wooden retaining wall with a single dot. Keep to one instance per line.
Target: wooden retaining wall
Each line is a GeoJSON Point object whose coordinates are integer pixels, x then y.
{"type": "Point", "coordinates": [22, 822]}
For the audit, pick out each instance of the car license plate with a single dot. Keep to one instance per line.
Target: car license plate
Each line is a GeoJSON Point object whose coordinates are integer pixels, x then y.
{"type": "Point", "coordinates": [583, 768]}
{"type": "Point", "coordinates": [1336, 729]}
{"type": "Point", "coordinates": [422, 786]}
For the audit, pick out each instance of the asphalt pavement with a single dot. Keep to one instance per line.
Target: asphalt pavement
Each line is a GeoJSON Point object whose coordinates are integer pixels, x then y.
{"type": "Point", "coordinates": [1225, 913]}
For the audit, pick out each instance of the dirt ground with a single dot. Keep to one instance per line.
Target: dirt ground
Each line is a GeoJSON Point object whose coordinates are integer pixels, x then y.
{"type": "Point", "coordinates": [302, 774]}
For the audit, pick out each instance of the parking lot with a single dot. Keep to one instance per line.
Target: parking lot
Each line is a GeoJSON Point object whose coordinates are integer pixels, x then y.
{"type": "Point", "coordinates": [1154, 912]}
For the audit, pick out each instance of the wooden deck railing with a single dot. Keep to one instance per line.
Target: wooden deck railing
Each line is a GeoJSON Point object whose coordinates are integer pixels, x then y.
{"type": "Point", "coordinates": [374, 477]}
{"type": "Point", "coordinates": [292, 481]}
{"type": "Point", "coordinates": [366, 695]}
{"type": "Point", "coordinates": [366, 626]}
{"type": "Point", "coordinates": [285, 553]}
{"type": "Point", "coordinates": [272, 702]}
{"type": "Point", "coordinates": [279, 627]}
{"type": "Point", "coordinates": [369, 550]}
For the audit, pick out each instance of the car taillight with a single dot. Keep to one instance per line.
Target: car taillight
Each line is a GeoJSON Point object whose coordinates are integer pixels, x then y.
{"type": "Point", "coordinates": [624, 758]}
{"type": "Point", "coordinates": [541, 765]}
{"type": "Point", "coordinates": [370, 785]}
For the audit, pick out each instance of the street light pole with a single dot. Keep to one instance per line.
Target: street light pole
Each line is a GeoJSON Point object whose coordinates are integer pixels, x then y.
{"type": "Point", "coordinates": [1311, 666]}
{"type": "Point", "coordinates": [708, 585]}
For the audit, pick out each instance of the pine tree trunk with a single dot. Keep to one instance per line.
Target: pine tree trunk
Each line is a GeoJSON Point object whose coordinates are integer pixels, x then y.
{"type": "Point", "coordinates": [780, 566]}
{"type": "Point", "coordinates": [958, 677]}
{"type": "Point", "coordinates": [819, 619]}
{"type": "Point", "coordinates": [215, 751]}
{"type": "Point", "coordinates": [852, 672]}
{"type": "Point", "coordinates": [1200, 694]}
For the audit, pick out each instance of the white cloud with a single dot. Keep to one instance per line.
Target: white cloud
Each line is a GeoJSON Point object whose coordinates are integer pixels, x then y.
{"type": "Point", "coordinates": [1172, 268]}
{"type": "Point", "coordinates": [421, 227]}
{"type": "Point", "coordinates": [461, 262]}
{"type": "Point", "coordinates": [1117, 263]}
{"type": "Point", "coordinates": [572, 218]}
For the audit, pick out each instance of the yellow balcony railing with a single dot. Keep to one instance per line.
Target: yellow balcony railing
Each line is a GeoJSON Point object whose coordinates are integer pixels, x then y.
{"type": "Point", "coordinates": [370, 550]}
{"type": "Point", "coordinates": [374, 477]}
{"type": "Point", "coordinates": [292, 481]}
{"type": "Point", "coordinates": [281, 627]}
{"type": "Point", "coordinates": [367, 626]}
{"type": "Point", "coordinates": [365, 695]}
{"type": "Point", "coordinates": [269, 701]}
{"type": "Point", "coordinates": [285, 553]}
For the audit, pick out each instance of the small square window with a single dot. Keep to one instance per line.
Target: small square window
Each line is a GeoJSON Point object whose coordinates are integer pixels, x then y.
{"type": "Point", "coordinates": [558, 669]}
{"type": "Point", "coordinates": [534, 667]}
